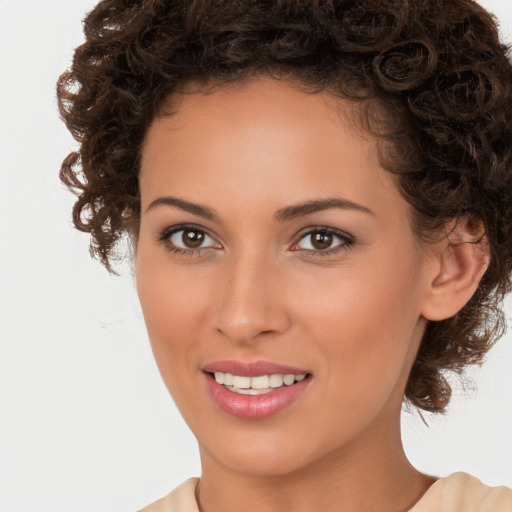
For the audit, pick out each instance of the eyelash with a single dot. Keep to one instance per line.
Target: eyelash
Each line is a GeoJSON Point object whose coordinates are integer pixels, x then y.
{"type": "Point", "coordinates": [346, 241]}
{"type": "Point", "coordinates": [166, 235]}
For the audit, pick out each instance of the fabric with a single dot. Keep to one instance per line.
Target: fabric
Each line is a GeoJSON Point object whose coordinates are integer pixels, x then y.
{"type": "Point", "coordinates": [461, 492]}
{"type": "Point", "coordinates": [458, 492]}
{"type": "Point", "coordinates": [182, 499]}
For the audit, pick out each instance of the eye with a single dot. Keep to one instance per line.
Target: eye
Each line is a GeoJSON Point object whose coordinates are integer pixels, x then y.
{"type": "Point", "coordinates": [323, 240]}
{"type": "Point", "coordinates": [188, 239]}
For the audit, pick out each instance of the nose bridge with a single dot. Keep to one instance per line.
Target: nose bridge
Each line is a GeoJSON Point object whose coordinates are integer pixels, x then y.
{"type": "Point", "coordinates": [249, 301]}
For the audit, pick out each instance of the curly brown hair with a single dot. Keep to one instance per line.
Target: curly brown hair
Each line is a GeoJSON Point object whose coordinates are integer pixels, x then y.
{"type": "Point", "coordinates": [435, 68]}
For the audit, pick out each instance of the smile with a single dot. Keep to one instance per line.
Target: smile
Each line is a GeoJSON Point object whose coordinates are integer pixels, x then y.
{"type": "Point", "coordinates": [258, 385]}
{"type": "Point", "coordinates": [254, 391]}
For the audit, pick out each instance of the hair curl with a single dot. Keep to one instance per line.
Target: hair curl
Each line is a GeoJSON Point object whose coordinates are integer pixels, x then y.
{"type": "Point", "coordinates": [436, 68]}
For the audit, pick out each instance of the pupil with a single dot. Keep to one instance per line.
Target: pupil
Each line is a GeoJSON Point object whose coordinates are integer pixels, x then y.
{"type": "Point", "coordinates": [321, 240]}
{"type": "Point", "coordinates": [192, 239]}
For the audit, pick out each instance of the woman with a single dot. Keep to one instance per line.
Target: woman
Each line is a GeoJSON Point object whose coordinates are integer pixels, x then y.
{"type": "Point", "coordinates": [320, 200]}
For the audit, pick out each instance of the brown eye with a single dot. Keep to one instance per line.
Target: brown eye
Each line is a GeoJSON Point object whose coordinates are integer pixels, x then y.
{"type": "Point", "coordinates": [192, 238]}
{"type": "Point", "coordinates": [321, 240]}
{"type": "Point", "coordinates": [188, 239]}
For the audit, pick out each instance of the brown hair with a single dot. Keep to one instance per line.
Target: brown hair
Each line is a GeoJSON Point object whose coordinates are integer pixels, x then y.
{"type": "Point", "coordinates": [435, 67]}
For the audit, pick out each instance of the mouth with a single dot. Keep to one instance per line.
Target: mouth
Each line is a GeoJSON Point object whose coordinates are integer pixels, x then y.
{"type": "Point", "coordinates": [258, 385]}
{"type": "Point", "coordinates": [254, 391]}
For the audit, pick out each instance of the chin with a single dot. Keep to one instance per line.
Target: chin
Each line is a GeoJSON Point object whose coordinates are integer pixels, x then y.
{"type": "Point", "coordinates": [262, 455]}
{"type": "Point", "coordinates": [264, 464]}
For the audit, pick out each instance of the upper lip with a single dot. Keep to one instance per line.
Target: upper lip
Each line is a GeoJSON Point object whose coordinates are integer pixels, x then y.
{"type": "Point", "coordinates": [254, 369]}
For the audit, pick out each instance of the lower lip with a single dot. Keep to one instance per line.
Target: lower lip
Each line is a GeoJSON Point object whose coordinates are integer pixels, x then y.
{"type": "Point", "coordinates": [253, 407]}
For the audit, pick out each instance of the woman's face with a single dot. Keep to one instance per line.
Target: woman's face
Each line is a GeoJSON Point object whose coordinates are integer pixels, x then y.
{"type": "Point", "coordinates": [272, 243]}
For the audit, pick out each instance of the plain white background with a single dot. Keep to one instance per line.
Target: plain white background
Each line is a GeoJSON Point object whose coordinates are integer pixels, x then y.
{"type": "Point", "coordinates": [85, 422]}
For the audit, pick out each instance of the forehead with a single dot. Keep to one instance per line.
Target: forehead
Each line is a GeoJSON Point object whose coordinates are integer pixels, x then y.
{"type": "Point", "coordinates": [255, 95]}
{"type": "Point", "coordinates": [262, 136]}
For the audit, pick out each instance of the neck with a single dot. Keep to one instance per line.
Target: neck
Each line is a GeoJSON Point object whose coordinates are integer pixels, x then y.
{"type": "Point", "coordinates": [372, 473]}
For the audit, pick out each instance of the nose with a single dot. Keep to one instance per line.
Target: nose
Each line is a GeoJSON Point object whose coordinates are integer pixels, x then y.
{"type": "Point", "coordinates": [251, 302]}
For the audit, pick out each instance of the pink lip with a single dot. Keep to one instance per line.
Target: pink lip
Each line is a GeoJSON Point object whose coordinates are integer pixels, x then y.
{"type": "Point", "coordinates": [251, 369]}
{"type": "Point", "coordinates": [252, 407]}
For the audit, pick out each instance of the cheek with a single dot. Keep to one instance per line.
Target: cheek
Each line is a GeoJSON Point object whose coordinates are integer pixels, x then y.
{"type": "Point", "coordinates": [175, 312]}
{"type": "Point", "coordinates": [366, 327]}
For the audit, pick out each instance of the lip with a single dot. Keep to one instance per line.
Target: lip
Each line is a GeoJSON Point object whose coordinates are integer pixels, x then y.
{"type": "Point", "coordinates": [253, 407]}
{"type": "Point", "coordinates": [253, 369]}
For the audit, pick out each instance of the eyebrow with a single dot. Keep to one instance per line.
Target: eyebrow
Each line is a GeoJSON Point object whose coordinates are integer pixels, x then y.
{"type": "Point", "coordinates": [282, 215]}
{"type": "Point", "coordinates": [299, 210]}
{"type": "Point", "coordinates": [187, 206]}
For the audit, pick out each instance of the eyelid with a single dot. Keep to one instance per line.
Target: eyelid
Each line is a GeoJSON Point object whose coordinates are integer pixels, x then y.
{"type": "Point", "coordinates": [171, 230]}
{"type": "Point", "coordinates": [165, 235]}
{"type": "Point", "coordinates": [347, 239]}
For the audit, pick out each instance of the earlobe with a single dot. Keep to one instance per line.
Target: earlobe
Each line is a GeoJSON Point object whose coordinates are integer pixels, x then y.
{"type": "Point", "coordinates": [459, 262]}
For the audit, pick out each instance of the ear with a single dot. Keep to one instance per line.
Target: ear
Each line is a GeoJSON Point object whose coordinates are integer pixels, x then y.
{"type": "Point", "coordinates": [457, 263]}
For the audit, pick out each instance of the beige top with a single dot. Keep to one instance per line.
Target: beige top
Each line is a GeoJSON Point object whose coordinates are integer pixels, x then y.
{"type": "Point", "coordinates": [458, 492]}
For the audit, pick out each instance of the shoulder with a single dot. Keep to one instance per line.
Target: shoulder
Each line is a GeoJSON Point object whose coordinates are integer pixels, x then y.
{"type": "Point", "coordinates": [182, 499]}
{"type": "Point", "coordinates": [462, 492]}
{"type": "Point", "coordinates": [458, 492]}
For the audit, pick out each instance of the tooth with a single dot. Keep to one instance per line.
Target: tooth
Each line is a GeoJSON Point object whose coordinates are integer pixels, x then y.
{"type": "Point", "coordinates": [228, 379]}
{"type": "Point", "coordinates": [219, 377]}
{"type": "Point", "coordinates": [250, 391]}
{"type": "Point", "coordinates": [260, 382]}
{"type": "Point", "coordinates": [298, 378]}
{"type": "Point", "coordinates": [275, 381]}
{"type": "Point", "coordinates": [289, 379]}
{"type": "Point", "coordinates": [241, 382]}
{"type": "Point", "coordinates": [258, 391]}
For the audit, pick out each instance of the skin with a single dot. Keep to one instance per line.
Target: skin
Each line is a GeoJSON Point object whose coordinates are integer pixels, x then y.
{"type": "Point", "coordinates": [353, 317]}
